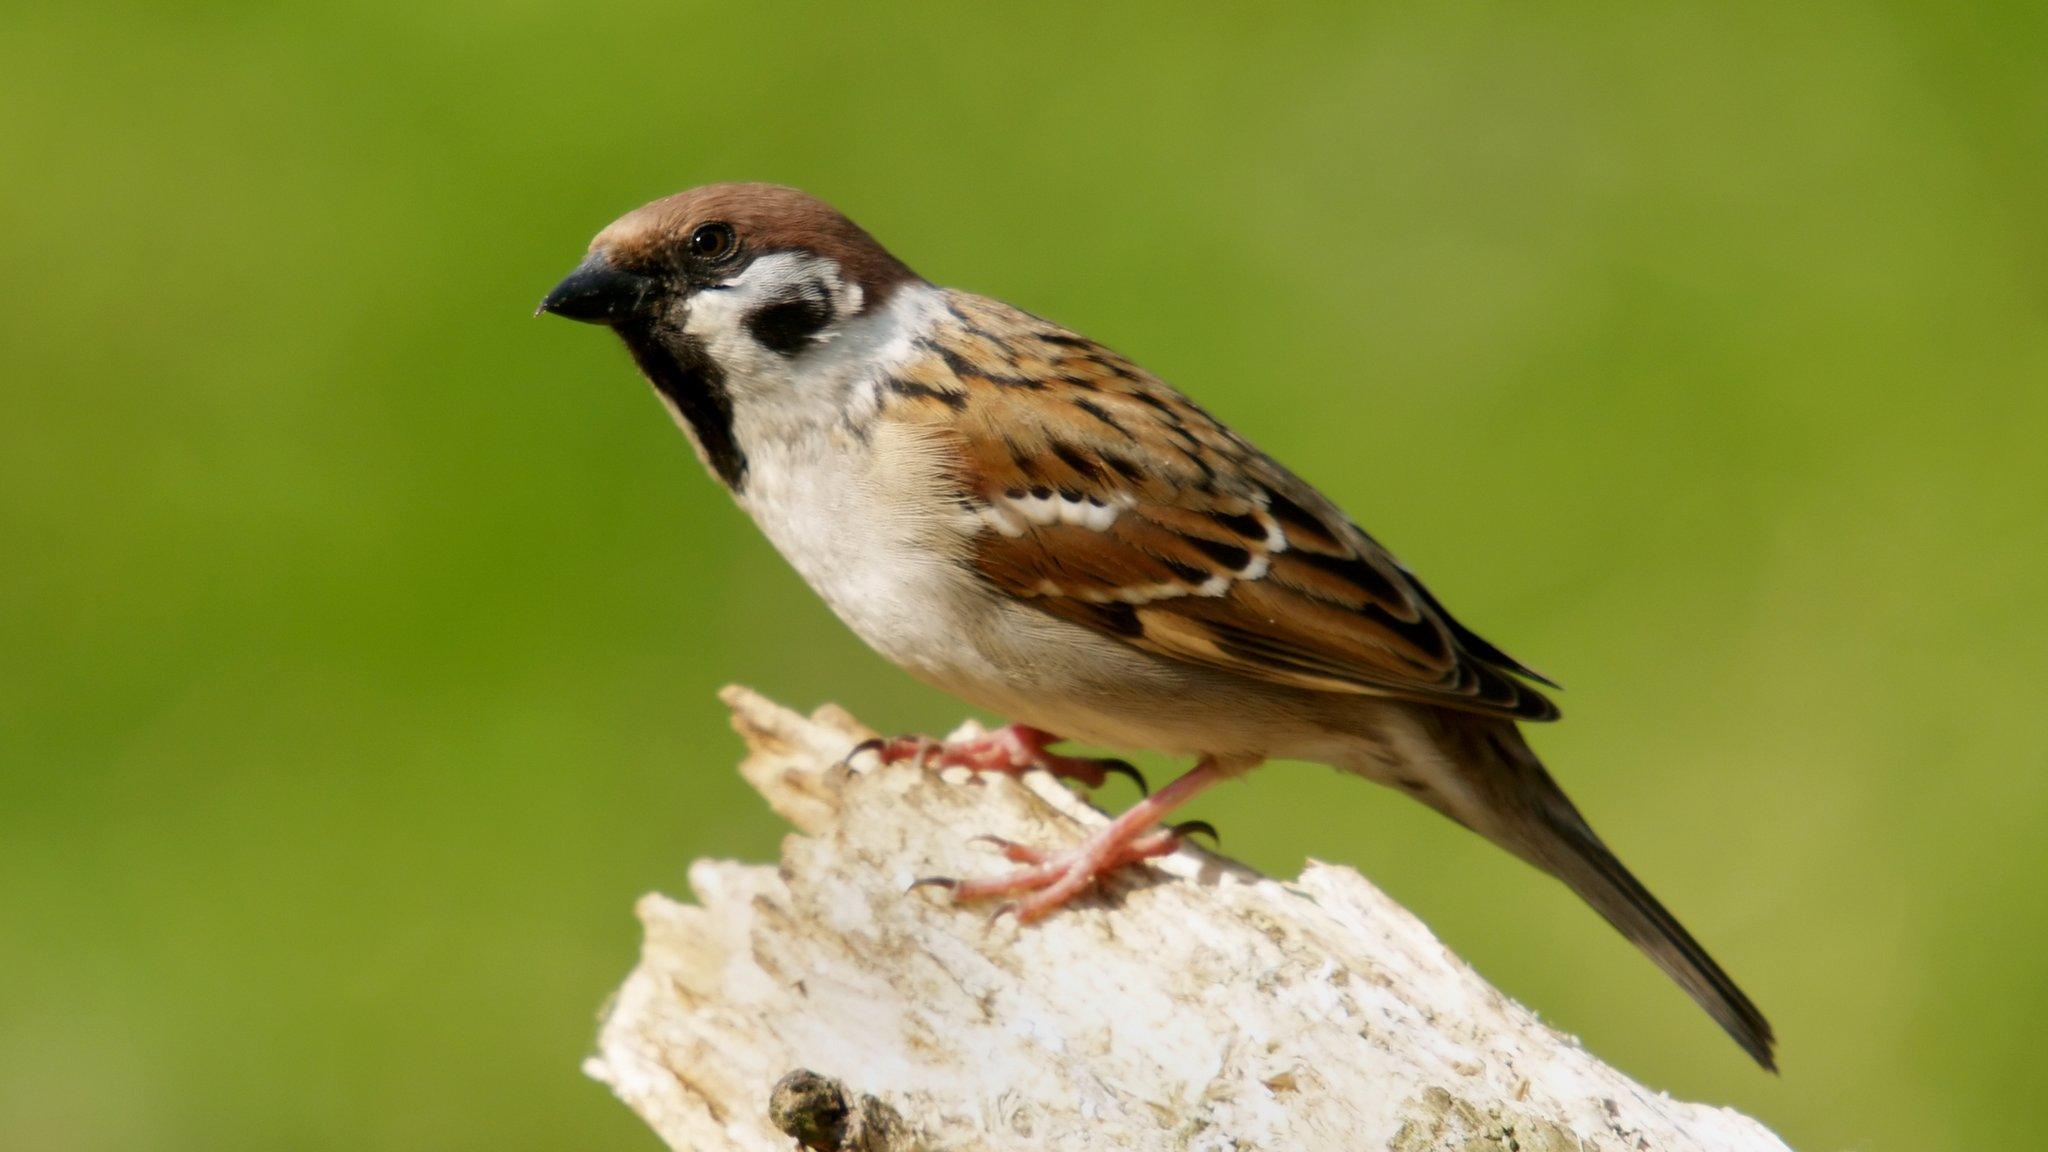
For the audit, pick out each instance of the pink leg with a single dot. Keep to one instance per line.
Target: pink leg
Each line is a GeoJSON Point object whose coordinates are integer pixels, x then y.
{"type": "Point", "coordinates": [1053, 878]}
{"type": "Point", "coordinates": [1013, 749]}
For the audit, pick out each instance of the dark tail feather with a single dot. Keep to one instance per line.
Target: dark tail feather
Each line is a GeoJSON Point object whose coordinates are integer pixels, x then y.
{"type": "Point", "coordinates": [1573, 854]}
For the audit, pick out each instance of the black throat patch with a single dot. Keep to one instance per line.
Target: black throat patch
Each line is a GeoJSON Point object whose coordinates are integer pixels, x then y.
{"type": "Point", "coordinates": [696, 386]}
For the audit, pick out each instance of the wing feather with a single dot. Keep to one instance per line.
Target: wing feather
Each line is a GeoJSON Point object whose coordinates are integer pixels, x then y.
{"type": "Point", "coordinates": [1113, 501]}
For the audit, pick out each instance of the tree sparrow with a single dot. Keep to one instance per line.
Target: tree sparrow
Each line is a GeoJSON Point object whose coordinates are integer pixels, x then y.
{"type": "Point", "coordinates": [1021, 517]}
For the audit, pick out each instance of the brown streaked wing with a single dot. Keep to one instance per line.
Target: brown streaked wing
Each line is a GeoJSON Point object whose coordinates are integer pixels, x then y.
{"type": "Point", "coordinates": [1215, 555]}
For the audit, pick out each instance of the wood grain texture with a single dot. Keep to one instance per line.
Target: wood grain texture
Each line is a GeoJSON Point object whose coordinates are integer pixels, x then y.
{"type": "Point", "coordinates": [1194, 1005]}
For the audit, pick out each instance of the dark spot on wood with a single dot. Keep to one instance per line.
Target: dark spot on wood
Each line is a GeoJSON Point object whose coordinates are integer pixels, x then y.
{"type": "Point", "coordinates": [822, 1115]}
{"type": "Point", "coordinates": [811, 1109]}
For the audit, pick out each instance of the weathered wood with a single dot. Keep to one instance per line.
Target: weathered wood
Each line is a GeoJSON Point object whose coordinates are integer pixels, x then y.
{"type": "Point", "coordinates": [1197, 1005]}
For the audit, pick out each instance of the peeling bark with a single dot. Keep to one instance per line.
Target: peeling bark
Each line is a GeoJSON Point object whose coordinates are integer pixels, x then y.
{"type": "Point", "coordinates": [1193, 1005]}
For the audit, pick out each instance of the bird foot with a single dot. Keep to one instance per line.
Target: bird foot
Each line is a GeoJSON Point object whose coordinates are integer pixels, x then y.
{"type": "Point", "coordinates": [1053, 878]}
{"type": "Point", "coordinates": [1050, 879]}
{"type": "Point", "coordinates": [1013, 749]}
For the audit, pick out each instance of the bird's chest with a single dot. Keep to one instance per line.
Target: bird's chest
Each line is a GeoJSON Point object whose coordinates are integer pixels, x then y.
{"type": "Point", "coordinates": [869, 538]}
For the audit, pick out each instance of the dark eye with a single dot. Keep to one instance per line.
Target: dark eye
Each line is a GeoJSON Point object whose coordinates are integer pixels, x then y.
{"type": "Point", "coordinates": [712, 241]}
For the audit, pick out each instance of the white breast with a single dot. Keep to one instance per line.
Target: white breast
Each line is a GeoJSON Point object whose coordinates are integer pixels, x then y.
{"type": "Point", "coordinates": [862, 515]}
{"type": "Point", "coordinates": [864, 511]}
{"type": "Point", "coordinates": [886, 551]}
{"type": "Point", "coordinates": [877, 554]}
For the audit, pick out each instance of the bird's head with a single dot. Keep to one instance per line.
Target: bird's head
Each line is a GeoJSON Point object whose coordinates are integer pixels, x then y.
{"type": "Point", "coordinates": [755, 262]}
{"type": "Point", "coordinates": [727, 292]}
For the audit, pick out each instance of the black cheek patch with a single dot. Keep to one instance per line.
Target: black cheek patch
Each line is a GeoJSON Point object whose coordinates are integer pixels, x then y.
{"type": "Point", "coordinates": [786, 326]}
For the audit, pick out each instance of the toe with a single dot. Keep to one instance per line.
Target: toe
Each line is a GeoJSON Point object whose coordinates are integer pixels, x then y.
{"type": "Point", "coordinates": [1023, 880]}
{"type": "Point", "coordinates": [874, 744]}
{"type": "Point", "coordinates": [1012, 851]}
{"type": "Point", "coordinates": [1128, 770]}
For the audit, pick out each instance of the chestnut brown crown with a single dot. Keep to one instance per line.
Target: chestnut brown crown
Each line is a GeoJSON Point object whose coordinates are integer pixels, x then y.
{"type": "Point", "coordinates": [688, 241]}
{"type": "Point", "coordinates": [761, 219]}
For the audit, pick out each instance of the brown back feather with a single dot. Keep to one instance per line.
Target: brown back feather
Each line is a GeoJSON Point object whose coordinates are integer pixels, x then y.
{"type": "Point", "coordinates": [1217, 555]}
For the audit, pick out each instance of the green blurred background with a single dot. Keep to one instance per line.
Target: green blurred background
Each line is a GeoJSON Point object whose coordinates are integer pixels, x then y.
{"type": "Point", "coordinates": [358, 632]}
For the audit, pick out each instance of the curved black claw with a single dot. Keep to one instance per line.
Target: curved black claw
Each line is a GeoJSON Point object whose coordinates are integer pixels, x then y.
{"type": "Point", "coordinates": [1187, 828]}
{"type": "Point", "coordinates": [871, 744]}
{"type": "Point", "coordinates": [946, 882]}
{"type": "Point", "coordinates": [998, 841]}
{"type": "Point", "coordinates": [1116, 767]}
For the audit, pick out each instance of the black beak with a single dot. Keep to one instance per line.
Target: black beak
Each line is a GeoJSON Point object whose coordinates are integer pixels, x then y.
{"type": "Point", "coordinates": [600, 292]}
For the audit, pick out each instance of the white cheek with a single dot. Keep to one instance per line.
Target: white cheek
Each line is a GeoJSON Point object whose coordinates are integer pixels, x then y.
{"type": "Point", "coordinates": [718, 314]}
{"type": "Point", "coordinates": [835, 377]}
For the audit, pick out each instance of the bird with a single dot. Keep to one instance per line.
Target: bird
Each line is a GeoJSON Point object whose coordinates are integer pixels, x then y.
{"type": "Point", "coordinates": [1018, 516]}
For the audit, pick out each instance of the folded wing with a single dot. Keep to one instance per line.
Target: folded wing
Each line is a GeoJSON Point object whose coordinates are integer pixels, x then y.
{"type": "Point", "coordinates": [1108, 499]}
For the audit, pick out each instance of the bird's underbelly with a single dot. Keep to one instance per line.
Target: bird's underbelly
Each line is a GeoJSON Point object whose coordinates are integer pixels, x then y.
{"type": "Point", "coordinates": [902, 585]}
{"type": "Point", "coordinates": [882, 569]}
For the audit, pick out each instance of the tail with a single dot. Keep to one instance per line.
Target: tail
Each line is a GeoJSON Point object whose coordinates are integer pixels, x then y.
{"type": "Point", "coordinates": [1526, 812]}
{"type": "Point", "coordinates": [1576, 856]}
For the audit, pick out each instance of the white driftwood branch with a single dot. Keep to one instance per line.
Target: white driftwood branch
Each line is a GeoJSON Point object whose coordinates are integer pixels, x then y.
{"type": "Point", "coordinates": [1197, 1005]}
